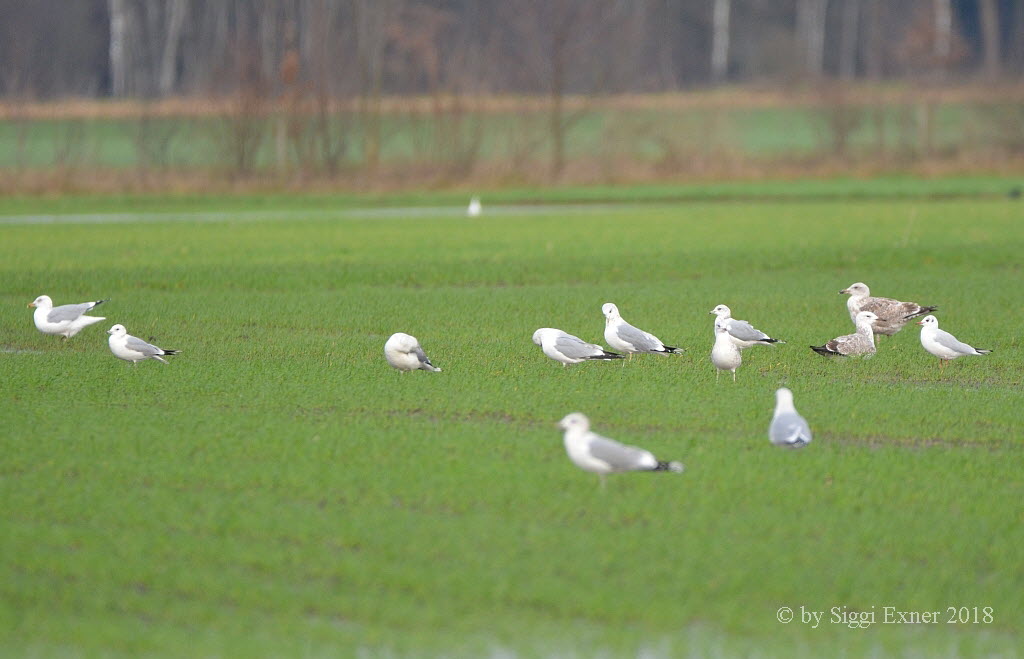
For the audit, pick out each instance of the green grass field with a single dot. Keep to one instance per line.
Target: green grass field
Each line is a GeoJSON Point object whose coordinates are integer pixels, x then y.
{"type": "Point", "coordinates": [278, 490]}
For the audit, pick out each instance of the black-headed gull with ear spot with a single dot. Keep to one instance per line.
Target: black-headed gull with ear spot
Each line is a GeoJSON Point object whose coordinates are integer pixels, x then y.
{"type": "Point", "coordinates": [742, 333]}
{"type": "Point", "coordinates": [568, 349]}
{"type": "Point", "coordinates": [848, 345]}
{"type": "Point", "coordinates": [600, 455]}
{"type": "Point", "coordinates": [133, 349]}
{"type": "Point", "coordinates": [405, 353]}
{"type": "Point", "coordinates": [788, 428]}
{"type": "Point", "coordinates": [65, 320]}
{"type": "Point", "coordinates": [942, 344]}
{"type": "Point", "coordinates": [623, 337]}
{"type": "Point", "coordinates": [892, 314]}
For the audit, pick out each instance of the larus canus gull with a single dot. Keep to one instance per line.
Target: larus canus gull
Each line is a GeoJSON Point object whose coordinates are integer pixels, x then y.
{"type": "Point", "coordinates": [65, 320]}
{"type": "Point", "coordinates": [600, 455]}
{"type": "Point", "coordinates": [405, 353]}
{"type": "Point", "coordinates": [892, 314]}
{"type": "Point", "coordinates": [569, 349]}
{"type": "Point", "coordinates": [788, 428]}
{"type": "Point", "coordinates": [623, 337]}
{"type": "Point", "coordinates": [474, 209]}
{"type": "Point", "coordinates": [862, 342]}
{"type": "Point", "coordinates": [725, 354]}
{"type": "Point", "coordinates": [742, 333]}
{"type": "Point", "coordinates": [133, 349]}
{"type": "Point", "coordinates": [942, 344]}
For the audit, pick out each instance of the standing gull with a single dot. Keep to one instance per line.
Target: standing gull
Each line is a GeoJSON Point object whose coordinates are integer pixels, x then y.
{"type": "Point", "coordinates": [942, 344]}
{"type": "Point", "coordinates": [474, 209]}
{"type": "Point", "coordinates": [569, 349]}
{"type": "Point", "coordinates": [65, 320]}
{"type": "Point", "coordinates": [725, 354]}
{"type": "Point", "coordinates": [892, 314]}
{"type": "Point", "coordinates": [600, 455]}
{"type": "Point", "coordinates": [788, 428]}
{"type": "Point", "coordinates": [405, 353]}
{"type": "Point", "coordinates": [860, 343]}
{"type": "Point", "coordinates": [133, 349]}
{"type": "Point", "coordinates": [623, 337]}
{"type": "Point", "coordinates": [742, 333]}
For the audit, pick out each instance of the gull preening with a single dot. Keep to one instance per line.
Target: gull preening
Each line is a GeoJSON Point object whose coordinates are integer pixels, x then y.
{"type": "Point", "coordinates": [892, 314]}
{"type": "Point", "coordinates": [474, 209]}
{"type": "Point", "coordinates": [788, 428]}
{"type": "Point", "coordinates": [742, 333]}
{"type": "Point", "coordinates": [942, 344]}
{"type": "Point", "coordinates": [725, 354]}
{"type": "Point", "coordinates": [65, 320]}
{"type": "Point", "coordinates": [623, 337]}
{"type": "Point", "coordinates": [600, 455]}
{"type": "Point", "coordinates": [862, 342]}
{"type": "Point", "coordinates": [133, 349]}
{"type": "Point", "coordinates": [569, 349]}
{"type": "Point", "coordinates": [404, 352]}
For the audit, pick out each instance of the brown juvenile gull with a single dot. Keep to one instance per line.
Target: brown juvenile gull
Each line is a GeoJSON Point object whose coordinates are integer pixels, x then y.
{"type": "Point", "coordinates": [860, 343]}
{"type": "Point", "coordinates": [892, 314]}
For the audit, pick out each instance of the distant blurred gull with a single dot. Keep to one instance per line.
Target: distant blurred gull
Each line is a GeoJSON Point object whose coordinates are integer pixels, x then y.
{"type": "Point", "coordinates": [569, 349]}
{"type": "Point", "coordinates": [474, 209]}
{"type": "Point", "coordinates": [742, 333]}
{"type": "Point", "coordinates": [132, 349]}
{"type": "Point", "coordinates": [600, 455]}
{"type": "Point", "coordinates": [942, 344]}
{"type": "Point", "coordinates": [788, 428]}
{"type": "Point", "coordinates": [860, 343]}
{"type": "Point", "coordinates": [892, 314]}
{"type": "Point", "coordinates": [623, 337]}
{"type": "Point", "coordinates": [404, 353]}
{"type": "Point", "coordinates": [65, 320]}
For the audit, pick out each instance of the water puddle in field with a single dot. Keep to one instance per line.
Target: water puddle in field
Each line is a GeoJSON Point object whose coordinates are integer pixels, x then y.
{"type": "Point", "coordinates": [397, 213]}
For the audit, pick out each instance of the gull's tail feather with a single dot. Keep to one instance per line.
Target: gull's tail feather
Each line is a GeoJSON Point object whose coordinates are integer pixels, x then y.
{"type": "Point", "coordinates": [607, 355]}
{"type": "Point", "coordinates": [171, 352]}
{"type": "Point", "coordinates": [920, 312]}
{"type": "Point", "coordinates": [823, 350]}
{"type": "Point", "coordinates": [676, 467]}
{"type": "Point", "coordinates": [771, 341]}
{"type": "Point", "coordinates": [670, 350]}
{"type": "Point", "coordinates": [982, 352]}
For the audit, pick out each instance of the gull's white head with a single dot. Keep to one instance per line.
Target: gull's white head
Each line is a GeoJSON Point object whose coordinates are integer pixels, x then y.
{"type": "Point", "coordinates": [784, 396]}
{"type": "Point", "coordinates": [575, 421]}
{"type": "Point", "coordinates": [929, 321]}
{"type": "Point", "coordinates": [860, 289]}
{"type": "Point", "coordinates": [722, 311]}
{"type": "Point", "coordinates": [42, 301]}
{"type": "Point", "coordinates": [610, 311]}
{"type": "Point", "coordinates": [866, 317]}
{"type": "Point", "coordinates": [538, 336]}
{"type": "Point", "coordinates": [117, 330]}
{"type": "Point", "coordinates": [402, 341]}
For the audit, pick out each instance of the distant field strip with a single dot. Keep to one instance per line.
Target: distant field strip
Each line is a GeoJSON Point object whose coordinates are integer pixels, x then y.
{"type": "Point", "coordinates": [414, 212]}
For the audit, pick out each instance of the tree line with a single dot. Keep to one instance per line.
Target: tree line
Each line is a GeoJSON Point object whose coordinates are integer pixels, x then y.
{"type": "Point", "coordinates": [371, 48]}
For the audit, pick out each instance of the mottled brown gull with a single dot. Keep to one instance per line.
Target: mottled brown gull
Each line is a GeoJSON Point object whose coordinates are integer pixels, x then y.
{"type": "Point", "coordinates": [892, 314]}
{"type": "Point", "coordinates": [860, 343]}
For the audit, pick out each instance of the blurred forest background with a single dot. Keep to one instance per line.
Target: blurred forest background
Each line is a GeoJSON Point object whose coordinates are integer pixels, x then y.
{"type": "Point", "coordinates": [125, 94]}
